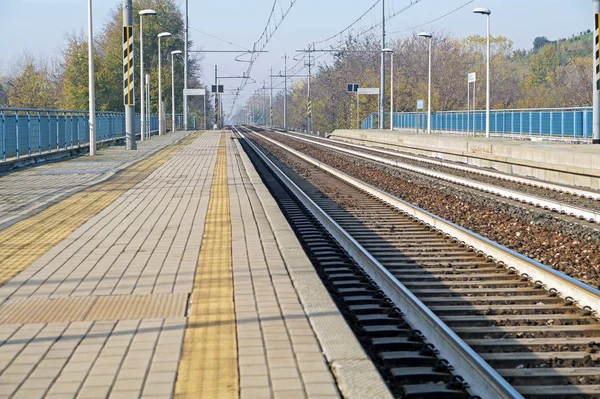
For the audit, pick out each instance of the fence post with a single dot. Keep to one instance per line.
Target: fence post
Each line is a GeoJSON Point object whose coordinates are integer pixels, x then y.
{"type": "Point", "coordinates": [17, 133]}
{"type": "Point", "coordinates": [520, 123]}
{"type": "Point", "coordinates": [3, 137]}
{"type": "Point", "coordinates": [71, 130]}
{"type": "Point", "coordinates": [57, 132]}
{"type": "Point", "coordinates": [49, 123]}
{"type": "Point", "coordinates": [39, 133]}
{"type": "Point", "coordinates": [28, 134]}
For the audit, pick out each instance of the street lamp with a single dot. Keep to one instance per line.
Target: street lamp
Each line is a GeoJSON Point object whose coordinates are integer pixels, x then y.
{"type": "Point", "coordinates": [143, 13]}
{"type": "Point", "coordinates": [161, 121]}
{"type": "Point", "coordinates": [389, 50]}
{"type": "Point", "coordinates": [486, 11]}
{"type": "Point", "coordinates": [429, 36]}
{"type": "Point", "coordinates": [173, 54]}
{"type": "Point", "coordinates": [92, 92]}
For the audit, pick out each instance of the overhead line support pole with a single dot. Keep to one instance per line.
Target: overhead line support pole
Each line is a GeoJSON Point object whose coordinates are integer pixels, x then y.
{"type": "Point", "coordinates": [596, 98]}
{"type": "Point", "coordinates": [91, 89]}
{"type": "Point", "coordinates": [185, 66]}
{"type": "Point", "coordinates": [382, 85]}
{"type": "Point", "coordinates": [128, 81]}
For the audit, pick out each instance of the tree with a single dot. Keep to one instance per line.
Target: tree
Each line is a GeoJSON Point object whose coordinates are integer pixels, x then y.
{"type": "Point", "coordinates": [75, 94]}
{"type": "Point", "coordinates": [539, 42]}
{"type": "Point", "coordinates": [33, 86]}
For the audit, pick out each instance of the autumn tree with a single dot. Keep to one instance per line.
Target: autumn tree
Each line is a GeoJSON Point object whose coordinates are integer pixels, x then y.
{"type": "Point", "coordinates": [34, 85]}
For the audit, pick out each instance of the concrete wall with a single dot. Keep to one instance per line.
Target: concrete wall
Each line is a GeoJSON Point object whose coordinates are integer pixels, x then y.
{"type": "Point", "coordinates": [570, 164]}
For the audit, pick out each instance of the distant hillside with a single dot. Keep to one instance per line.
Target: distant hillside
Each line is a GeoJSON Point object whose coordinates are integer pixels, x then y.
{"type": "Point", "coordinates": [579, 45]}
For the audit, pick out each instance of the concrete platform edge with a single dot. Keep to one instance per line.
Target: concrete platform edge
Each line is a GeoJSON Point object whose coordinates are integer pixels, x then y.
{"type": "Point", "coordinates": [356, 375]}
{"type": "Point", "coordinates": [576, 165]}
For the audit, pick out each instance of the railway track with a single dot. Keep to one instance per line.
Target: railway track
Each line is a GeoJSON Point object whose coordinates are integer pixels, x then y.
{"type": "Point", "coordinates": [577, 202]}
{"type": "Point", "coordinates": [508, 325]}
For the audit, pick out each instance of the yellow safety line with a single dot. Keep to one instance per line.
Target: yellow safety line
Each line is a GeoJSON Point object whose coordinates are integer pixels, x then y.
{"type": "Point", "coordinates": [24, 242]}
{"type": "Point", "coordinates": [208, 367]}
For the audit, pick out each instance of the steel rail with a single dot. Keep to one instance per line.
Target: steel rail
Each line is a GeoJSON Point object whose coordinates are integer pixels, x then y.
{"type": "Point", "coordinates": [582, 192]}
{"type": "Point", "coordinates": [552, 280]}
{"type": "Point", "coordinates": [482, 378]}
{"type": "Point", "coordinates": [572, 210]}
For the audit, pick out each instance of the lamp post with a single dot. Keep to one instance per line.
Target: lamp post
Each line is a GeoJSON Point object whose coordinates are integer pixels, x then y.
{"type": "Point", "coordinates": [429, 37]}
{"type": "Point", "coordinates": [143, 13]}
{"type": "Point", "coordinates": [389, 50]}
{"type": "Point", "coordinates": [173, 54]}
{"type": "Point", "coordinates": [161, 121]}
{"type": "Point", "coordinates": [92, 92]}
{"type": "Point", "coordinates": [486, 11]}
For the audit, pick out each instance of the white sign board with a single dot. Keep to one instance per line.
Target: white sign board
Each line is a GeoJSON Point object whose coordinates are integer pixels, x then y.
{"type": "Point", "coordinates": [420, 104]}
{"type": "Point", "coordinates": [472, 77]}
{"type": "Point", "coordinates": [194, 92]}
{"type": "Point", "coordinates": [368, 90]}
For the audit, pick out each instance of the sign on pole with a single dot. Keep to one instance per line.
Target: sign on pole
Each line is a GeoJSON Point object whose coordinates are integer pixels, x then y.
{"type": "Point", "coordinates": [420, 104]}
{"type": "Point", "coordinates": [472, 77]}
{"type": "Point", "coordinates": [194, 92]}
{"type": "Point", "coordinates": [368, 90]}
{"type": "Point", "coordinates": [129, 98]}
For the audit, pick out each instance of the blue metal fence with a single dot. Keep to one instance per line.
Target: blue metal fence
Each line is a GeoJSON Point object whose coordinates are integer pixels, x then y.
{"type": "Point", "coordinates": [555, 122]}
{"type": "Point", "coordinates": [34, 131]}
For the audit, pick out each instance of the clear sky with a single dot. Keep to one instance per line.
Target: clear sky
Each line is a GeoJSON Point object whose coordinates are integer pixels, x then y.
{"type": "Point", "coordinates": [39, 26]}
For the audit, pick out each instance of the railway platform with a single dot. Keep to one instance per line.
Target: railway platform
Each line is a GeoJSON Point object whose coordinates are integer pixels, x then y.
{"type": "Point", "coordinates": [166, 272]}
{"type": "Point", "coordinates": [561, 162]}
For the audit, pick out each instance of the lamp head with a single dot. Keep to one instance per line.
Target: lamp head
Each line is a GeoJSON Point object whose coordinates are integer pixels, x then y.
{"type": "Point", "coordinates": [164, 34]}
{"type": "Point", "coordinates": [147, 12]}
{"type": "Point", "coordinates": [485, 11]}
{"type": "Point", "coordinates": [426, 34]}
{"type": "Point", "coordinates": [175, 52]}
{"type": "Point", "coordinates": [387, 50]}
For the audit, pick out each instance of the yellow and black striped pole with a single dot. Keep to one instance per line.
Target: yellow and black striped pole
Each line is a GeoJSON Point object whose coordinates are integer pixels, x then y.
{"type": "Point", "coordinates": [128, 84]}
{"type": "Point", "coordinates": [596, 99]}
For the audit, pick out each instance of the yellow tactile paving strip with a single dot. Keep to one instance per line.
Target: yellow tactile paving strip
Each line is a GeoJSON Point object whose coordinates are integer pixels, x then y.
{"type": "Point", "coordinates": [24, 242]}
{"type": "Point", "coordinates": [93, 308]}
{"type": "Point", "coordinates": [208, 367]}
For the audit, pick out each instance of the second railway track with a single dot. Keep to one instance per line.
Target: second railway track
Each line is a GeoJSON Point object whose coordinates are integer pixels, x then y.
{"type": "Point", "coordinates": [535, 338]}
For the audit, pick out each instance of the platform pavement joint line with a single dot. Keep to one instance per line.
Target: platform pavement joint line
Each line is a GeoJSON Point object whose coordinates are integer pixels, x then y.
{"type": "Point", "coordinates": [24, 242]}
{"type": "Point", "coordinates": [208, 367]}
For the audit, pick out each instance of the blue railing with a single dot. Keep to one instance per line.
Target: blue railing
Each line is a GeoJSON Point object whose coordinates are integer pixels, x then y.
{"type": "Point", "coordinates": [555, 122]}
{"type": "Point", "coordinates": [26, 132]}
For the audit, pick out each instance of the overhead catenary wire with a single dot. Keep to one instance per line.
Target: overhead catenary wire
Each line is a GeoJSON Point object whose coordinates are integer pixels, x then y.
{"type": "Point", "coordinates": [433, 20]}
{"type": "Point", "coordinates": [264, 39]}
{"type": "Point", "coordinates": [220, 39]}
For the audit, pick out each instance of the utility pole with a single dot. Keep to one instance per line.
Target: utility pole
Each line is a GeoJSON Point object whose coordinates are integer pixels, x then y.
{"type": "Point", "coordinates": [216, 102]}
{"type": "Point", "coordinates": [91, 89]}
{"type": "Point", "coordinates": [264, 104]}
{"type": "Point", "coordinates": [382, 85]}
{"type": "Point", "coordinates": [596, 99]}
{"type": "Point", "coordinates": [128, 74]}
{"type": "Point", "coordinates": [185, 67]}
{"type": "Point", "coordinates": [309, 101]}
{"type": "Point", "coordinates": [271, 101]}
{"type": "Point", "coordinates": [285, 92]}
